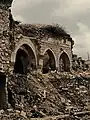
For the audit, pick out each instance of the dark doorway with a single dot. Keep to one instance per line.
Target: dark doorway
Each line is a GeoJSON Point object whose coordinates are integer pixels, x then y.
{"type": "Point", "coordinates": [48, 62]}
{"type": "Point", "coordinates": [21, 62]}
{"type": "Point", "coordinates": [64, 63]}
{"type": "Point", "coordinates": [25, 60]}
{"type": "Point", "coordinates": [2, 91]}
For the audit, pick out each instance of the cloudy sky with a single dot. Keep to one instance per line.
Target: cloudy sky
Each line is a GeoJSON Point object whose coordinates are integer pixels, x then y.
{"type": "Point", "coordinates": [73, 15]}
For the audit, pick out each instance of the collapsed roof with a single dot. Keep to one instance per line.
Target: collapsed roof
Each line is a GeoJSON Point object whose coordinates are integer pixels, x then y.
{"type": "Point", "coordinates": [40, 30]}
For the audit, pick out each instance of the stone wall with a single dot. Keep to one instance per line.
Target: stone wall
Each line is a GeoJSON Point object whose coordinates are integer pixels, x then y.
{"type": "Point", "coordinates": [55, 46]}
{"type": "Point", "coordinates": [57, 49]}
{"type": "Point", "coordinates": [4, 39]}
{"type": "Point", "coordinates": [12, 39]}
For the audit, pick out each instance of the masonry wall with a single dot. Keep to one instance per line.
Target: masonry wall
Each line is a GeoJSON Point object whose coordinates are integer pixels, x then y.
{"type": "Point", "coordinates": [18, 42]}
{"type": "Point", "coordinates": [4, 39]}
{"type": "Point", "coordinates": [9, 48]}
{"type": "Point", "coordinates": [57, 47]}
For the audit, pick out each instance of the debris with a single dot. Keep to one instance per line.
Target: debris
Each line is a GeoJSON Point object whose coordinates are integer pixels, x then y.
{"type": "Point", "coordinates": [23, 114]}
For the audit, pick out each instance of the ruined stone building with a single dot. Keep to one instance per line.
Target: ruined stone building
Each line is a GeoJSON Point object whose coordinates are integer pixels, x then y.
{"type": "Point", "coordinates": [27, 47]}
{"type": "Point", "coordinates": [79, 64]}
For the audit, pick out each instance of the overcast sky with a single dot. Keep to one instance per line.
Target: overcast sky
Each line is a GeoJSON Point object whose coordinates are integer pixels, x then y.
{"type": "Point", "coordinates": [73, 15]}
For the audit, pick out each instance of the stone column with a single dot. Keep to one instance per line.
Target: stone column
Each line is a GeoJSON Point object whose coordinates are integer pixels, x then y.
{"type": "Point", "coordinates": [39, 70]}
{"type": "Point", "coordinates": [11, 68]}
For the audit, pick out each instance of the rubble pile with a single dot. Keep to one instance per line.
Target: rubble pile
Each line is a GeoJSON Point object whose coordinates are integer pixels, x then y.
{"type": "Point", "coordinates": [52, 94]}
{"type": "Point", "coordinates": [11, 114]}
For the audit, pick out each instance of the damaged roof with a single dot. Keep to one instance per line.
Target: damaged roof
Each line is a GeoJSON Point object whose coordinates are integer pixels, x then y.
{"type": "Point", "coordinates": [6, 2]}
{"type": "Point", "coordinates": [42, 30]}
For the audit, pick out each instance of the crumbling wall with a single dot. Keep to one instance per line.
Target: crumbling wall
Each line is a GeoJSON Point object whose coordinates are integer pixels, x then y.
{"type": "Point", "coordinates": [12, 34]}
{"type": "Point", "coordinates": [6, 3]}
{"type": "Point", "coordinates": [43, 40]}
{"type": "Point", "coordinates": [79, 64]}
{"type": "Point", "coordinates": [5, 51]}
{"type": "Point", "coordinates": [41, 44]}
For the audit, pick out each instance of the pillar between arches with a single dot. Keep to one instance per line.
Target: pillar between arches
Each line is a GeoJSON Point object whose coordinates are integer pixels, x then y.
{"type": "Point", "coordinates": [40, 66]}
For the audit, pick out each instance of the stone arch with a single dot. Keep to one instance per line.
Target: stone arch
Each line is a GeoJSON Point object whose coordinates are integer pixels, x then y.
{"type": "Point", "coordinates": [24, 49]}
{"type": "Point", "coordinates": [49, 61]}
{"type": "Point", "coordinates": [64, 62]}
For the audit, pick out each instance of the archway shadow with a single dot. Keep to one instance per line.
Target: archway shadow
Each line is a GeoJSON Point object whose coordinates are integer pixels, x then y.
{"type": "Point", "coordinates": [64, 63]}
{"type": "Point", "coordinates": [48, 62]}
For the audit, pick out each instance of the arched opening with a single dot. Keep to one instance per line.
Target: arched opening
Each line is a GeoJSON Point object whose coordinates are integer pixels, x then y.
{"type": "Point", "coordinates": [48, 62]}
{"type": "Point", "coordinates": [25, 60]}
{"type": "Point", "coordinates": [64, 63]}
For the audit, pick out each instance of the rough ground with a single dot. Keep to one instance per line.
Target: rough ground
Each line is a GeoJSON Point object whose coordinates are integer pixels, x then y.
{"type": "Point", "coordinates": [53, 94]}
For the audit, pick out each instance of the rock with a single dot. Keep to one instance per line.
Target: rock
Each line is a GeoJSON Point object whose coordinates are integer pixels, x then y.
{"type": "Point", "coordinates": [17, 112]}
{"type": "Point", "coordinates": [1, 111]}
{"type": "Point", "coordinates": [10, 110]}
{"type": "Point", "coordinates": [62, 100]}
{"type": "Point", "coordinates": [62, 95]}
{"type": "Point", "coordinates": [23, 114]}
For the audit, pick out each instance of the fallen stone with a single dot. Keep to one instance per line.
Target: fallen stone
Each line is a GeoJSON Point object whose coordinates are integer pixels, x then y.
{"type": "Point", "coordinates": [23, 114]}
{"type": "Point", "coordinates": [1, 111]}
{"type": "Point", "coordinates": [17, 112]}
{"type": "Point", "coordinates": [10, 110]}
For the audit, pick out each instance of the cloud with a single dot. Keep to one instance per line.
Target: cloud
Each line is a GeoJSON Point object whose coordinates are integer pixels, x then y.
{"type": "Point", "coordinates": [82, 40]}
{"type": "Point", "coordinates": [19, 5]}
{"type": "Point", "coordinates": [34, 11]}
{"type": "Point", "coordinates": [20, 18]}
{"type": "Point", "coordinates": [19, 8]}
{"type": "Point", "coordinates": [73, 15]}
{"type": "Point", "coordinates": [73, 8]}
